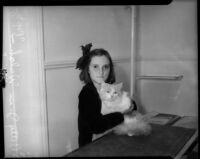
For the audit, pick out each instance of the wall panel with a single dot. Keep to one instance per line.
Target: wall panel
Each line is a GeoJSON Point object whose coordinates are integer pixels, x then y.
{"type": "Point", "coordinates": [66, 28]}
{"type": "Point", "coordinates": [168, 47]}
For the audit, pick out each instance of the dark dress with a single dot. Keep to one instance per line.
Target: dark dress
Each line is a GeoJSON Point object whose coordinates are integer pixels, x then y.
{"type": "Point", "coordinates": [90, 119]}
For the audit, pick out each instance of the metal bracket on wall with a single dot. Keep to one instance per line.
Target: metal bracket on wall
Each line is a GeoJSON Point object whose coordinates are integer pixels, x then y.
{"type": "Point", "coordinates": [2, 78]}
{"type": "Point", "coordinates": [148, 77]}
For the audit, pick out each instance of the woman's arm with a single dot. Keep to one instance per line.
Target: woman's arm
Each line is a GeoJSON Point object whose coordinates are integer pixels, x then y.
{"type": "Point", "coordinates": [90, 108]}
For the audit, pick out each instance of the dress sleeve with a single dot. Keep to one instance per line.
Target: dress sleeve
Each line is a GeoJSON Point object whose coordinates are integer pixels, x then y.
{"type": "Point", "coordinates": [90, 110]}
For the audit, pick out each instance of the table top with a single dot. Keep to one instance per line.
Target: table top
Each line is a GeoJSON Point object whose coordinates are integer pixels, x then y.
{"type": "Point", "coordinates": [164, 140]}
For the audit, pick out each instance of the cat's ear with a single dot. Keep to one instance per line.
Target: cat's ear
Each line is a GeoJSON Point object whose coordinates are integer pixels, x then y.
{"type": "Point", "coordinates": [119, 86]}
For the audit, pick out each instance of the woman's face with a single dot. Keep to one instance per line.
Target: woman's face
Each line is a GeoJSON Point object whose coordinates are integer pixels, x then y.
{"type": "Point", "coordinates": [99, 69]}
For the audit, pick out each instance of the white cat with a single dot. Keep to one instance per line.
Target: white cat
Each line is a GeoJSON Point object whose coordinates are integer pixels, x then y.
{"type": "Point", "coordinates": [134, 124]}
{"type": "Point", "coordinates": [115, 100]}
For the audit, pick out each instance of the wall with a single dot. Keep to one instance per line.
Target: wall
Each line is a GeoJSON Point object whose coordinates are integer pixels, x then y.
{"type": "Point", "coordinates": [167, 45]}
{"type": "Point", "coordinates": [65, 29]}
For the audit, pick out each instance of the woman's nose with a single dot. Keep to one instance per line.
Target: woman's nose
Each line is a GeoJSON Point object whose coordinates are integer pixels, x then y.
{"type": "Point", "coordinates": [101, 71]}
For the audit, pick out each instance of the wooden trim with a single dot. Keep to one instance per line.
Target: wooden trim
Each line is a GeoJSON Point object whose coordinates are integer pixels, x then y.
{"type": "Point", "coordinates": [160, 58]}
{"type": "Point", "coordinates": [72, 63]}
{"type": "Point", "coordinates": [41, 82]}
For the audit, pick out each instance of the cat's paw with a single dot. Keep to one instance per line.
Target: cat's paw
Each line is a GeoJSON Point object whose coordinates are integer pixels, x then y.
{"type": "Point", "coordinates": [130, 134]}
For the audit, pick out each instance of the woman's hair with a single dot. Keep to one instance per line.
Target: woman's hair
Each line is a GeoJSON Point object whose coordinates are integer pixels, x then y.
{"type": "Point", "coordinates": [84, 62]}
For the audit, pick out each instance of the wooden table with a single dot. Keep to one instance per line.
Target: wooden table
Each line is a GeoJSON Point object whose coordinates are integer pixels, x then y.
{"type": "Point", "coordinates": [164, 140]}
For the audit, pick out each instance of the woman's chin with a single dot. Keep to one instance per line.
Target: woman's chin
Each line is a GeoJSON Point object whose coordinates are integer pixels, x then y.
{"type": "Point", "coordinates": [99, 81]}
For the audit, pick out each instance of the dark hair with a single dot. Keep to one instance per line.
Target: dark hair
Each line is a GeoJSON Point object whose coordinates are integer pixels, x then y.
{"type": "Point", "coordinates": [84, 75]}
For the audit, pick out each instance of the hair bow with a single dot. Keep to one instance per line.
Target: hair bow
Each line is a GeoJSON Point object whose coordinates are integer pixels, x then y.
{"type": "Point", "coordinates": [83, 60]}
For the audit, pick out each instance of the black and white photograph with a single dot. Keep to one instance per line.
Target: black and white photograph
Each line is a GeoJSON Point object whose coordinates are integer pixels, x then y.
{"type": "Point", "coordinates": [100, 80]}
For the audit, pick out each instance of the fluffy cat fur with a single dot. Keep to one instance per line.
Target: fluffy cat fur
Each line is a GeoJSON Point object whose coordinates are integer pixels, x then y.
{"type": "Point", "coordinates": [115, 100]}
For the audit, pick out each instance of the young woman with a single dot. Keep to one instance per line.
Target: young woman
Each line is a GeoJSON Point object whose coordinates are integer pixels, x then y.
{"type": "Point", "coordinates": [96, 66]}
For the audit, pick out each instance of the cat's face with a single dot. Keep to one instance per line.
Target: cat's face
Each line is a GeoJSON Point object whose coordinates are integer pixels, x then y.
{"type": "Point", "coordinates": [110, 92]}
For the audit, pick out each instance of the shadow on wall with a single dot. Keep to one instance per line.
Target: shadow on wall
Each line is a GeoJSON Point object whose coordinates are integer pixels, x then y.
{"type": "Point", "coordinates": [121, 76]}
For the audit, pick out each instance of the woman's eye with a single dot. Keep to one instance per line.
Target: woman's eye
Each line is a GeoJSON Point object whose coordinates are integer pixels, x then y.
{"type": "Point", "coordinates": [106, 67]}
{"type": "Point", "coordinates": [95, 66]}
